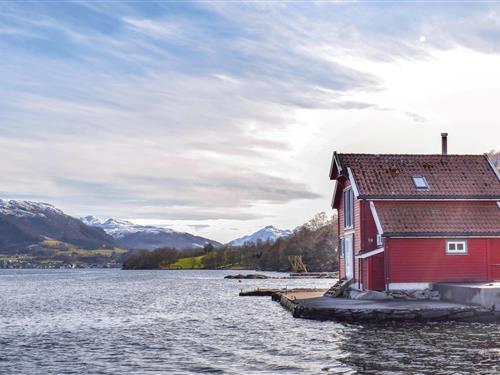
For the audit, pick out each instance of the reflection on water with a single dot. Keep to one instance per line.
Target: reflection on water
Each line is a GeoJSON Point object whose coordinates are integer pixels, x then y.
{"type": "Point", "coordinates": [445, 348]}
{"type": "Point", "coordinates": [175, 322]}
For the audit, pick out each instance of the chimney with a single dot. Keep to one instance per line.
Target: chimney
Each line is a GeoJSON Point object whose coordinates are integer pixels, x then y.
{"type": "Point", "coordinates": [444, 143]}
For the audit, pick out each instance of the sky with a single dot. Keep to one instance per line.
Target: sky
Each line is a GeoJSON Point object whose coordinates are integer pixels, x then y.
{"type": "Point", "coordinates": [220, 117]}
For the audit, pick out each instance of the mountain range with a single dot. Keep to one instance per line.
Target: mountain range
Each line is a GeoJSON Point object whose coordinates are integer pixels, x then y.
{"type": "Point", "coordinates": [270, 233]}
{"type": "Point", "coordinates": [24, 223]}
{"type": "Point", "coordinates": [132, 236]}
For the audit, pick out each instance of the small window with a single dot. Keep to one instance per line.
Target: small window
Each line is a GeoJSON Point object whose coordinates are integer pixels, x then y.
{"type": "Point", "coordinates": [420, 183]}
{"type": "Point", "coordinates": [456, 247]}
{"type": "Point", "coordinates": [379, 240]}
{"type": "Point", "coordinates": [348, 208]}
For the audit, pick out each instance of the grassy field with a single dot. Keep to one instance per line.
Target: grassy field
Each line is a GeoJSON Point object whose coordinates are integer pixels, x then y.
{"type": "Point", "coordinates": [63, 248]}
{"type": "Point", "coordinates": [6, 257]}
{"type": "Point", "coordinates": [187, 263]}
{"type": "Point", "coordinates": [51, 253]}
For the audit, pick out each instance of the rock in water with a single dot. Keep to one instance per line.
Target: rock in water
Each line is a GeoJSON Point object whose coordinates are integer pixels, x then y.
{"type": "Point", "coordinates": [249, 276]}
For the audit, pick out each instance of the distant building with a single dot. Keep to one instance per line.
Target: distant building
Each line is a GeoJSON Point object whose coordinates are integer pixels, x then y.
{"type": "Point", "coordinates": [407, 221]}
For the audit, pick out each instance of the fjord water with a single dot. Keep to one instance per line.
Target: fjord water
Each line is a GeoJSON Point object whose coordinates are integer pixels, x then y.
{"type": "Point", "coordinates": [181, 322]}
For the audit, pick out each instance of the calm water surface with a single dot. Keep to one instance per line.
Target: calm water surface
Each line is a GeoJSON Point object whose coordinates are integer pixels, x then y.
{"type": "Point", "coordinates": [181, 322]}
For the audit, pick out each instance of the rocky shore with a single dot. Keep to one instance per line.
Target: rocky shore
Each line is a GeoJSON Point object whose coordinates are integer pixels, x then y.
{"type": "Point", "coordinates": [307, 275]}
{"type": "Point", "coordinates": [249, 276]}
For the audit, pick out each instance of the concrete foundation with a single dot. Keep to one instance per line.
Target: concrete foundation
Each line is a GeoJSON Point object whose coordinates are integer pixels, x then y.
{"type": "Point", "coordinates": [311, 306]}
{"type": "Point", "coordinates": [480, 294]}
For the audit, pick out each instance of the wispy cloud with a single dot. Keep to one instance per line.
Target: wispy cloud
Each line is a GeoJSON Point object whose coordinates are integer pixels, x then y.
{"type": "Point", "coordinates": [207, 111]}
{"type": "Point", "coordinates": [159, 30]}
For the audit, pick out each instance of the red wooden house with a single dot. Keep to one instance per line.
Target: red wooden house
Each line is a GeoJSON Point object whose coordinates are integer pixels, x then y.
{"type": "Point", "coordinates": [407, 221]}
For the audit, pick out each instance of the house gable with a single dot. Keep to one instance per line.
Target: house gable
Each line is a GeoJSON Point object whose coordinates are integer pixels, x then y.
{"type": "Point", "coordinates": [344, 178]}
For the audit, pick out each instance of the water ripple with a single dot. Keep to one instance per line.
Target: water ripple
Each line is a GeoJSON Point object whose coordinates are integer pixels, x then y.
{"type": "Point", "coordinates": [184, 322]}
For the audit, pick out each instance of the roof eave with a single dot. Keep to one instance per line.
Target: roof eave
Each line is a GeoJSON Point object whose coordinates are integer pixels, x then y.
{"type": "Point", "coordinates": [439, 234]}
{"type": "Point", "coordinates": [339, 182]}
{"type": "Point", "coordinates": [335, 167]}
{"type": "Point", "coordinates": [431, 197]}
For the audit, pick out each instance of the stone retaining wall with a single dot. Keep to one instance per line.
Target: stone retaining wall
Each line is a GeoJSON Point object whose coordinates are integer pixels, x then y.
{"type": "Point", "coordinates": [464, 314]}
{"type": "Point", "coordinates": [408, 295]}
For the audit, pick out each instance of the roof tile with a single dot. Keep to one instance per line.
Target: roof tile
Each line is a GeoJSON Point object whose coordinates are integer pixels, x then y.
{"type": "Point", "coordinates": [446, 218]}
{"type": "Point", "coordinates": [455, 176]}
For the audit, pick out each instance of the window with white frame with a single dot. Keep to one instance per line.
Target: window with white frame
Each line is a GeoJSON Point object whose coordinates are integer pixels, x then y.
{"type": "Point", "coordinates": [348, 208]}
{"type": "Point", "coordinates": [456, 247]}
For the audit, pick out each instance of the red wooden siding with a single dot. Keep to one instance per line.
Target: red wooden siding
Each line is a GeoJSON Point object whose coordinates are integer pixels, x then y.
{"type": "Point", "coordinates": [425, 260]}
{"type": "Point", "coordinates": [357, 227]}
{"type": "Point", "coordinates": [494, 258]}
{"type": "Point", "coordinates": [340, 223]}
{"type": "Point", "coordinates": [416, 259]}
{"type": "Point", "coordinates": [341, 210]}
{"type": "Point", "coordinates": [373, 272]}
{"type": "Point", "coordinates": [356, 232]}
{"type": "Point", "coordinates": [341, 268]}
{"type": "Point", "coordinates": [365, 235]}
{"type": "Point", "coordinates": [368, 228]}
{"type": "Point", "coordinates": [365, 272]}
{"type": "Point", "coordinates": [341, 227]}
{"type": "Point", "coordinates": [377, 279]}
{"type": "Point", "coordinates": [357, 240]}
{"type": "Point", "coordinates": [365, 240]}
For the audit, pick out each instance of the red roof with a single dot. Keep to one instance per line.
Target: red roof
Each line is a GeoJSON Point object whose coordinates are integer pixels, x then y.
{"type": "Point", "coordinates": [445, 219]}
{"type": "Point", "coordinates": [448, 176]}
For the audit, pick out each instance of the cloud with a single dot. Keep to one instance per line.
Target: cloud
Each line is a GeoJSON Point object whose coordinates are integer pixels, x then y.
{"type": "Point", "coordinates": [155, 29]}
{"type": "Point", "coordinates": [212, 110]}
{"type": "Point", "coordinates": [198, 227]}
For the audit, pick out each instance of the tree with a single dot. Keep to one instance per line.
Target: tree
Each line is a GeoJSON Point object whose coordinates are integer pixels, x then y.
{"type": "Point", "coordinates": [319, 220]}
{"type": "Point", "coordinates": [316, 242]}
{"type": "Point", "coordinates": [208, 248]}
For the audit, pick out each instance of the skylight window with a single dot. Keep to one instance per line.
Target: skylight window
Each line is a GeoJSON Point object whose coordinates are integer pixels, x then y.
{"type": "Point", "coordinates": [420, 182]}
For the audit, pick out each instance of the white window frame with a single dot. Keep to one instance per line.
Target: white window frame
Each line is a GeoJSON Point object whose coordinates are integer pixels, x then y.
{"type": "Point", "coordinates": [351, 212]}
{"type": "Point", "coordinates": [379, 240]}
{"type": "Point", "coordinates": [414, 178]}
{"type": "Point", "coordinates": [455, 243]}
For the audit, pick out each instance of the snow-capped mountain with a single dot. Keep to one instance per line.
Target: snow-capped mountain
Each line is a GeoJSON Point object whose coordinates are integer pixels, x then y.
{"type": "Point", "coordinates": [267, 233]}
{"type": "Point", "coordinates": [27, 208]}
{"type": "Point", "coordinates": [133, 236]}
{"type": "Point", "coordinates": [25, 223]}
{"type": "Point", "coordinates": [119, 228]}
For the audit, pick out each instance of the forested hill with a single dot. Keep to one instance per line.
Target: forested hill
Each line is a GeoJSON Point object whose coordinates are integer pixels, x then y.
{"type": "Point", "coordinates": [316, 241]}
